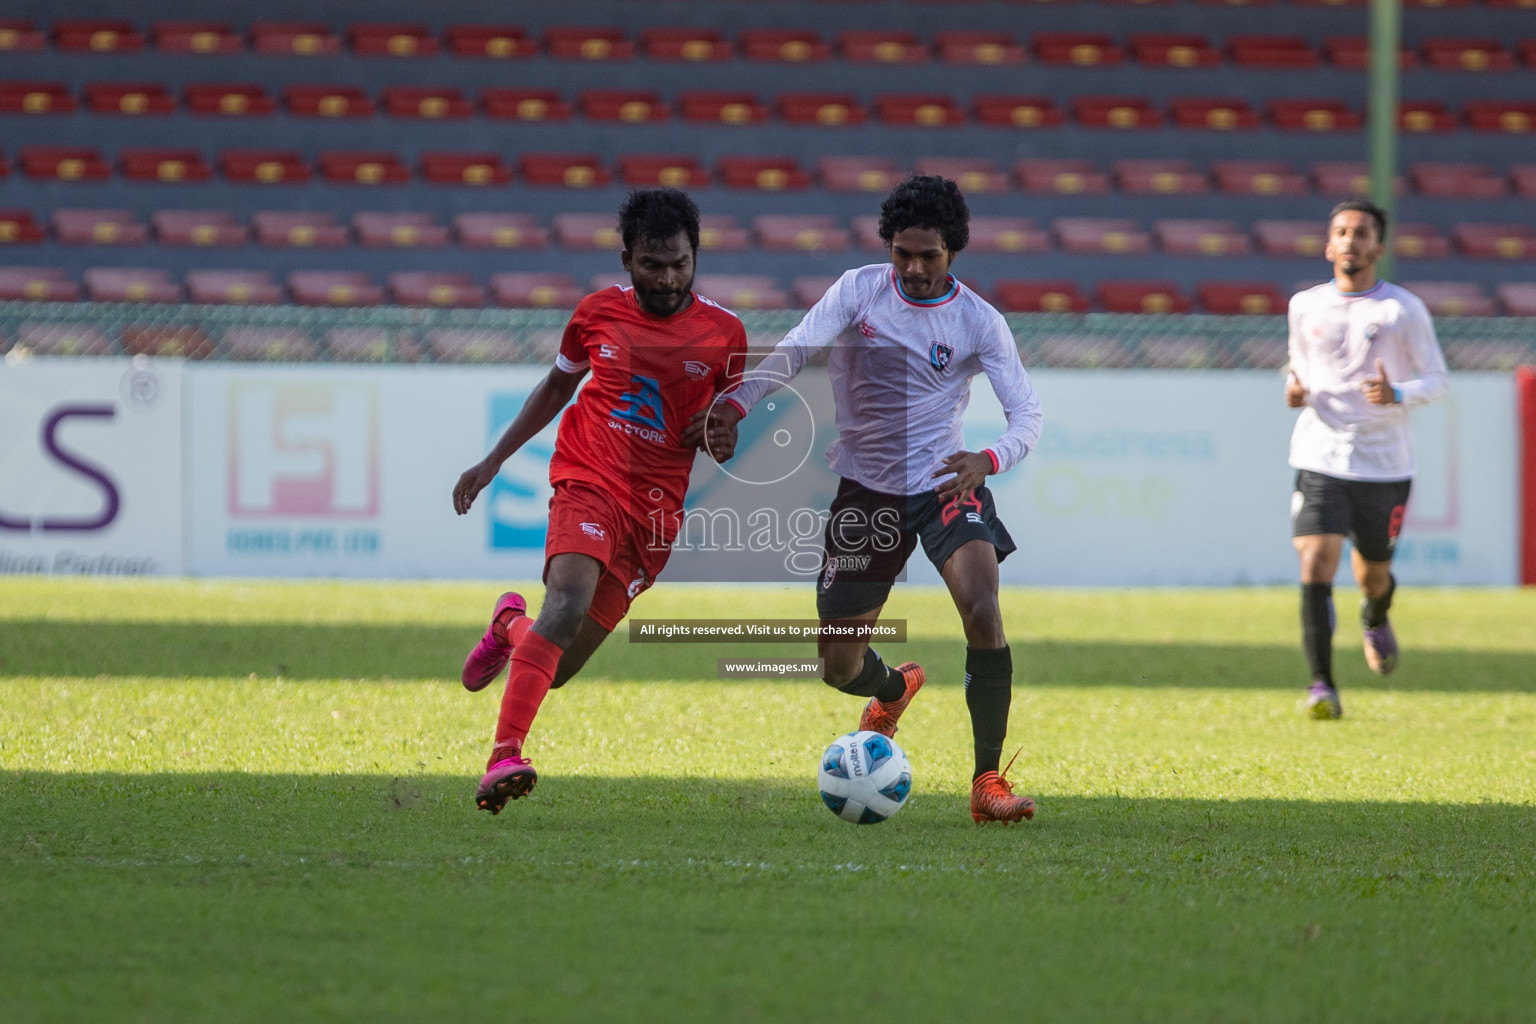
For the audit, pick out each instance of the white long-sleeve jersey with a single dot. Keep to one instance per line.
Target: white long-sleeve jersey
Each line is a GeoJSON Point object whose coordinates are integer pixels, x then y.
{"type": "Point", "coordinates": [901, 374]}
{"type": "Point", "coordinates": [1335, 340]}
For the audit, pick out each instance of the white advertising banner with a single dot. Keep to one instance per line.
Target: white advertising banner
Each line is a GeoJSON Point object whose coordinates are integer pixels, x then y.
{"type": "Point", "coordinates": [90, 467]}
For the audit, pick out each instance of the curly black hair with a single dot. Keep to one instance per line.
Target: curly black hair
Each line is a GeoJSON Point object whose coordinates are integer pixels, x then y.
{"type": "Point", "coordinates": [927, 201]}
{"type": "Point", "coordinates": [658, 213]}
{"type": "Point", "coordinates": [1368, 208]}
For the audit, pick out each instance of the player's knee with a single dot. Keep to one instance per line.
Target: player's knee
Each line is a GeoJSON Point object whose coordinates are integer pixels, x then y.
{"type": "Point", "coordinates": [838, 672]}
{"type": "Point", "coordinates": [982, 620]}
{"type": "Point", "coordinates": [561, 616]}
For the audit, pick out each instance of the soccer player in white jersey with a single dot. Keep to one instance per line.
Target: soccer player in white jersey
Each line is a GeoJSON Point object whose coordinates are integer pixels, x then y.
{"type": "Point", "coordinates": [906, 340]}
{"type": "Point", "coordinates": [1363, 351]}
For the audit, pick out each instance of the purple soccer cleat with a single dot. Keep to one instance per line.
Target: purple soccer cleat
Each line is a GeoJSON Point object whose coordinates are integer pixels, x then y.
{"type": "Point", "coordinates": [493, 651]}
{"type": "Point", "coordinates": [1323, 702]}
{"type": "Point", "coordinates": [508, 779]}
{"type": "Point", "coordinates": [1380, 648]}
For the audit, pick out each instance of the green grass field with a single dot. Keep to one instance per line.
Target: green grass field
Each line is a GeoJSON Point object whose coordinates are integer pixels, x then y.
{"type": "Point", "coordinates": [252, 802]}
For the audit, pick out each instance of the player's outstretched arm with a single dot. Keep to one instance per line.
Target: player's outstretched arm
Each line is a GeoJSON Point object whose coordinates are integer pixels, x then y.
{"type": "Point", "coordinates": [544, 403]}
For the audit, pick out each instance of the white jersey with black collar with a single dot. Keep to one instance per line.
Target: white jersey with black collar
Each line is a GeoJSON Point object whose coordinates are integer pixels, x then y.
{"type": "Point", "coordinates": [901, 374]}
{"type": "Point", "coordinates": [1335, 339]}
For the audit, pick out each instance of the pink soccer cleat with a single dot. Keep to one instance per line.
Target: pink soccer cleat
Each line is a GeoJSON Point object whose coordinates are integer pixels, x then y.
{"type": "Point", "coordinates": [508, 779]}
{"type": "Point", "coordinates": [493, 651]}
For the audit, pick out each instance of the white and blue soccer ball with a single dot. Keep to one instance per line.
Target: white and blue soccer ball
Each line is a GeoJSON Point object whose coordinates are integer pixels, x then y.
{"type": "Point", "coordinates": [864, 777]}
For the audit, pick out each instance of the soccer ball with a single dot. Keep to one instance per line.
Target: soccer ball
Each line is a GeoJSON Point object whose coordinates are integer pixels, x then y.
{"type": "Point", "coordinates": [864, 777]}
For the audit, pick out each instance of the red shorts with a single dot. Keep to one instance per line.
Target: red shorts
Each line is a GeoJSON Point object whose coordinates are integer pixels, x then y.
{"type": "Point", "coordinates": [585, 521]}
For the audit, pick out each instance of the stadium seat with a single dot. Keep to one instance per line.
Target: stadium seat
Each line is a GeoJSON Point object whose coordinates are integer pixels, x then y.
{"type": "Point", "coordinates": [1177, 353]}
{"type": "Point", "coordinates": [1518, 299]}
{"type": "Point", "coordinates": [588, 43]}
{"type": "Point", "coordinates": [5, 166]}
{"type": "Point", "coordinates": [866, 234]}
{"type": "Point", "coordinates": [295, 38]}
{"type": "Point", "coordinates": [1141, 297]}
{"type": "Point", "coordinates": [721, 107]}
{"type": "Point", "coordinates": [433, 103]}
{"type": "Point", "coordinates": [1513, 117]}
{"type": "Point", "coordinates": [1081, 49]}
{"type": "Point", "coordinates": [302, 229]}
{"type": "Point", "coordinates": [1254, 51]}
{"type": "Point", "coordinates": [1321, 115]}
{"type": "Point", "coordinates": [766, 173]}
{"type": "Point", "coordinates": [881, 46]}
{"type": "Point", "coordinates": [1075, 352]}
{"type": "Point", "coordinates": [535, 291]}
{"type": "Point", "coordinates": [1200, 238]}
{"type": "Point", "coordinates": [130, 284]}
{"type": "Point", "coordinates": [633, 106]}
{"type": "Point", "coordinates": [260, 344]}
{"type": "Point", "coordinates": [1345, 179]}
{"type": "Point", "coordinates": [572, 170]}
{"type": "Point", "coordinates": [1213, 113]}
{"type": "Point", "coordinates": [525, 105]}
{"type": "Point", "coordinates": [1247, 298]}
{"type": "Point", "coordinates": [1007, 235]}
{"type": "Point", "coordinates": [720, 232]}
{"type": "Point", "coordinates": [1453, 298]}
{"type": "Point", "coordinates": [1424, 116]}
{"type": "Point", "coordinates": [739, 291]}
{"type": "Point", "coordinates": [808, 290]}
{"type": "Point", "coordinates": [39, 284]}
{"type": "Point", "coordinates": [1159, 177]}
{"type": "Point", "coordinates": [858, 173]}
{"type": "Point", "coordinates": [687, 44]}
{"type": "Point", "coordinates": [791, 46]}
{"type": "Point", "coordinates": [333, 288]}
{"type": "Point", "coordinates": [366, 344]}
{"type": "Point", "coordinates": [390, 230]}
{"type": "Point", "coordinates": [1291, 238]}
{"type": "Point", "coordinates": [442, 168]}
{"type": "Point", "coordinates": [1116, 112]}
{"type": "Point", "coordinates": [327, 101]}
{"type": "Point", "coordinates": [35, 98]}
{"type": "Point", "coordinates": [185, 341]}
{"type": "Point", "coordinates": [363, 167]}
{"type": "Point", "coordinates": [199, 37]}
{"type": "Point", "coordinates": [1016, 111]}
{"type": "Point", "coordinates": [164, 165]}
{"type": "Point", "coordinates": [95, 35]}
{"type": "Point", "coordinates": [1173, 50]}
{"type": "Point", "coordinates": [264, 166]}
{"type": "Point", "coordinates": [198, 228]}
{"type": "Point", "coordinates": [1065, 177]}
{"type": "Point", "coordinates": [790, 233]}
{"type": "Point", "coordinates": [499, 231]}
{"type": "Point", "coordinates": [597, 282]}
{"type": "Point", "coordinates": [1457, 181]}
{"type": "Point", "coordinates": [20, 35]}
{"type": "Point", "coordinates": [973, 175]}
{"type": "Point", "coordinates": [1528, 51]}
{"type": "Point", "coordinates": [832, 109]}
{"type": "Point", "coordinates": [971, 47]}
{"type": "Point", "coordinates": [1354, 53]}
{"type": "Point", "coordinates": [130, 98]}
{"type": "Point", "coordinates": [1101, 235]}
{"type": "Point", "coordinates": [98, 227]}
{"type": "Point", "coordinates": [1496, 241]}
{"type": "Point", "coordinates": [497, 41]}
{"type": "Point", "coordinates": [433, 288]}
{"type": "Point", "coordinates": [63, 163]}
{"type": "Point", "coordinates": [1040, 297]}
{"type": "Point", "coordinates": [676, 170]}
{"type": "Point", "coordinates": [229, 99]}
{"type": "Point", "coordinates": [474, 345]}
{"type": "Point", "coordinates": [17, 227]}
{"type": "Point", "coordinates": [930, 110]}
{"type": "Point", "coordinates": [587, 231]}
{"type": "Point", "coordinates": [1412, 240]}
{"type": "Point", "coordinates": [220, 287]}
{"type": "Point", "coordinates": [1524, 178]}
{"type": "Point", "coordinates": [382, 39]}
{"type": "Point", "coordinates": [1460, 54]}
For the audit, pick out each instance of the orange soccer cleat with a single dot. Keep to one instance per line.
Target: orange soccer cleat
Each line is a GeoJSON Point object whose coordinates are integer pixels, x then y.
{"type": "Point", "coordinates": [881, 717]}
{"type": "Point", "coordinates": [992, 798]}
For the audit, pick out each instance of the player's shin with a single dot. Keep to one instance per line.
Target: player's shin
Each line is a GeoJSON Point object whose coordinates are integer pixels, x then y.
{"type": "Point", "coordinates": [1317, 629]}
{"type": "Point", "coordinates": [1374, 612]}
{"type": "Point", "coordinates": [534, 661]}
{"type": "Point", "coordinates": [876, 679]}
{"type": "Point", "coordinates": [988, 695]}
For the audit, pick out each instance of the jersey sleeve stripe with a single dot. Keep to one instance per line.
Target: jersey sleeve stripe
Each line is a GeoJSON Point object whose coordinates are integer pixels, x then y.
{"type": "Point", "coordinates": [565, 365]}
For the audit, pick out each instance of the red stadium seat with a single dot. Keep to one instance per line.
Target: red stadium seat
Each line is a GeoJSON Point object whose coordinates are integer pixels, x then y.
{"type": "Point", "coordinates": [1518, 299]}
{"type": "Point", "coordinates": [254, 344]}
{"type": "Point", "coordinates": [678, 171]}
{"type": "Point", "coordinates": [633, 106]}
{"type": "Point", "coordinates": [20, 35]}
{"type": "Point", "coordinates": [129, 98]}
{"type": "Point", "coordinates": [363, 167]}
{"type": "Point", "coordinates": [809, 290]}
{"type": "Point", "coordinates": [1528, 52]}
{"type": "Point", "coordinates": [1271, 51]}
{"type": "Point", "coordinates": [212, 228]}
{"type": "Point", "coordinates": [229, 99]}
{"type": "Point", "coordinates": [165, 165]}
{"type": "Point", "coordinates": [183, 341]}
{"type": "Point", "coordinates": [200, 37]}
{"type": "Point", "coordinates": [497, 41]}
{"type": "Point", "coordinates": [35, 98]}
{"type": "Point", "coordinates": [587, 231]}
{"type": "Point", "coordinates": [19, 227]}
{"type": "Point", "coordinates": [972, 175]}
{"type": "Point", "coordinates": [1101, 235]}
{"type": "Point", "coordinates": [720, 232]}
{"type": "Point", "coordinates": [441, 168]}
{"type": "Point", "coordinates": [433, 288]}
{"type": "Point", "coordinates": [41, 284]}
{"type": "Point", "coordinates": [1513, 117]}
{"type": "Point", "coordinates": [1173, 50]}
{"type": "Point", "coordinates": [1524, 178]}
{"type": "Point", "coordinates": [595, 43]}
{"type": "Point", "coordinates": [1459, 54]}
{"type": "Point", "coordinates": [789, 233]}
{"type": "Point", "coordinates": [687, 44]}
{"type": "Point", "coordinates": [474, 345]}
{"type": "Point", "coordinates": [1496, 241]}
{"type": "Point", "coordinates": [431, 102]}
{"type": "Point", "coordinates": [866, 234]}
{"type": "Point", "coordinates": [571, 170]}
{"type": "Point", "coordinates": [792, 46]}
{"type": "Point", "coordinates": [95, 35]}
{"type": "Point", "coordinates": [300, 229]}
{"type": "Point", "coordinates": [1354, 52]}
{"type": "Point", "coordinates": [381, 39]}
{"type": "Point", "coordinates": [239, 287]}
{"type": "Point", "coordinates": [1291, 238]}
{"type": "Point", "coordinates": [1017, 111]}
{"type": "Point", "coordinates": [1064, 177]}
{"type": "Point", "coordinates": [499, 231]}
{"type": "Point", "coordinates": [1159, 177]}
{"type": "Point", "coordinates": [735, 291]}
{"type": "Point", "coordinates": [881, 46]}
{"type": "Point", "coordinates": [327, 101]}
{"type": "Point", "coordinates": [1453, 298]}
{"type": "Point", "coordinates": [333, 288]}
{"type": "Point", "coordinates": [1115, 112]}
{"type": "Point", "coordinates": [858, 173]}
{"type": "Point", "coordinates": [399, 230]}
{"type": "Point", "coordinates": [1423, 116]}
{"type": "Point", "coordinates": [1141, 297]}
{"type": "Point", "coordinates": [1007, 235]}
{"type": "Point", "coordinates": [1200, 238]}
{"type": "Point", "coordinates": [832, 109]}
{"type": "Point", "coordinates": [1213, 113]}
{"type": "Point", "coordinates": [1322, 115]}
{"type": "Point", "coordinates": [930, 110]}
{"type": "Point", "coordinates": [5, 166]}
{"type": "Point", "coordinates": [1040, 297]}
{"type": "Point", "coordinates": [721, 107]}
{"type": "Point", "coordinates": [1082, 49]}
{"type": "Point", "coordinates": [1419, 241]}
{"type": "Point", "coordinates": [970, 47]}
{"type": "Point", "coordinates": [130, 284]}
{"type": "Point", "coordinates": [1246, 298]}
{"type": "Point", "coordinates": [536, 291]}
{"type": "Point", "coordinates": [63, 163]}
{"type": "Point", "coordinates": [1346, 179]}
{"type": "Point", "coordinates": [295, 38]}
{"type": "Point", "coordinates": [1457, 181]}
{"type": "Point", "coordinates": [525, 104]}
{"type": "Point", "coordinates": [767, 173]}
{"type": "Point", "coordinates": [264, 166]}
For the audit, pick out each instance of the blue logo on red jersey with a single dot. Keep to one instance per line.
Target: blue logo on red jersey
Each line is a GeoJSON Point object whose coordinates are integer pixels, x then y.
{"type": "Point", "coordinates": [644, 403]}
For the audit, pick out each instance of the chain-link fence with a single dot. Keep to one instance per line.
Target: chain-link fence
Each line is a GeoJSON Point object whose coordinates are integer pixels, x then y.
{"type": "Point", "coordinates": [391, 334]}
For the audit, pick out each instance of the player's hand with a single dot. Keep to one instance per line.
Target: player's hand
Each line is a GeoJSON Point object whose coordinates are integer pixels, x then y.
{"type": "Point", "coordinates": [1295, 394]}
{"type": "Point", "coordinates": [1378, 390]}
{"type": "Point", "coordinates": [471, 482]}
{"type": "Point", "coordinates": [714, 430]}
{"type": "Point", "coordinates": [969, 471]}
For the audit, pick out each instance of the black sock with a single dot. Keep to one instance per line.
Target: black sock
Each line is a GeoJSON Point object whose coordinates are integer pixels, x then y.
{"type": "Point", "coordinates": [1317, 629]}
{"type": "Point", "coordinates": [1374, 612]}
{"type": "Point", "coordinates": [988, 692]}
{"type": "Point", "coordinates": [876, 680]}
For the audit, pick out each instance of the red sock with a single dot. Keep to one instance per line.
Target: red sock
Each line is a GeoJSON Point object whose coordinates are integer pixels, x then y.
{"type": "Point", "coordinates": [534, 659]}
{"type": "Point", "coordinates": [516, 628]}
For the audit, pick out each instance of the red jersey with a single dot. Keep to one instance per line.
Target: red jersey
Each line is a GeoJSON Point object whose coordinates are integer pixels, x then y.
{"type": "Point", "coordinates": [650, 374]}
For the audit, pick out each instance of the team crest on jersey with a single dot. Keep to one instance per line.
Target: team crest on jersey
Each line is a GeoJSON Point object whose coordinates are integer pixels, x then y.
{"type": "Point", "coordinates": [1371, 331]}
{"type": "Point", "coordinates": [939, 355]}
{"type": "Point", "coordinates": [828, 574]}
{"type": "Point", "coordinates": [866, 329]}
{"type": "Point", "coordinates": [696, 369]}
{"type": "Point", "coordinates": [638, 584]}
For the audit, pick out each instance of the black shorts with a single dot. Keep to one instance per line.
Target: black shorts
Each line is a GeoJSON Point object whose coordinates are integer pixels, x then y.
{"type": "Point", "coordinates": [1368, 512]}
{"type": "Point", "coordinates": [870, 536]}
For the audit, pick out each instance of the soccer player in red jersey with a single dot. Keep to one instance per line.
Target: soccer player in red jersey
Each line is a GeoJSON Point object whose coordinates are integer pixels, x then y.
{"type": "Point", "coordinates": [657, 354]}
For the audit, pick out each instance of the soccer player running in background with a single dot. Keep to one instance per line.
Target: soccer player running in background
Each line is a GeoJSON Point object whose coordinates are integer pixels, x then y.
{"type": "Point", "coordinates": [1362, 352]}
{"type": "Point", "coordinates": [906, 340]}
{"type": "Point", "coordinates": [657, 353]}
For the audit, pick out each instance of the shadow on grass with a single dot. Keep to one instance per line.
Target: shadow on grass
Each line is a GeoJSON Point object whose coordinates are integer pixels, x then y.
{"type": "Point", "coordinates": [343, 652]}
